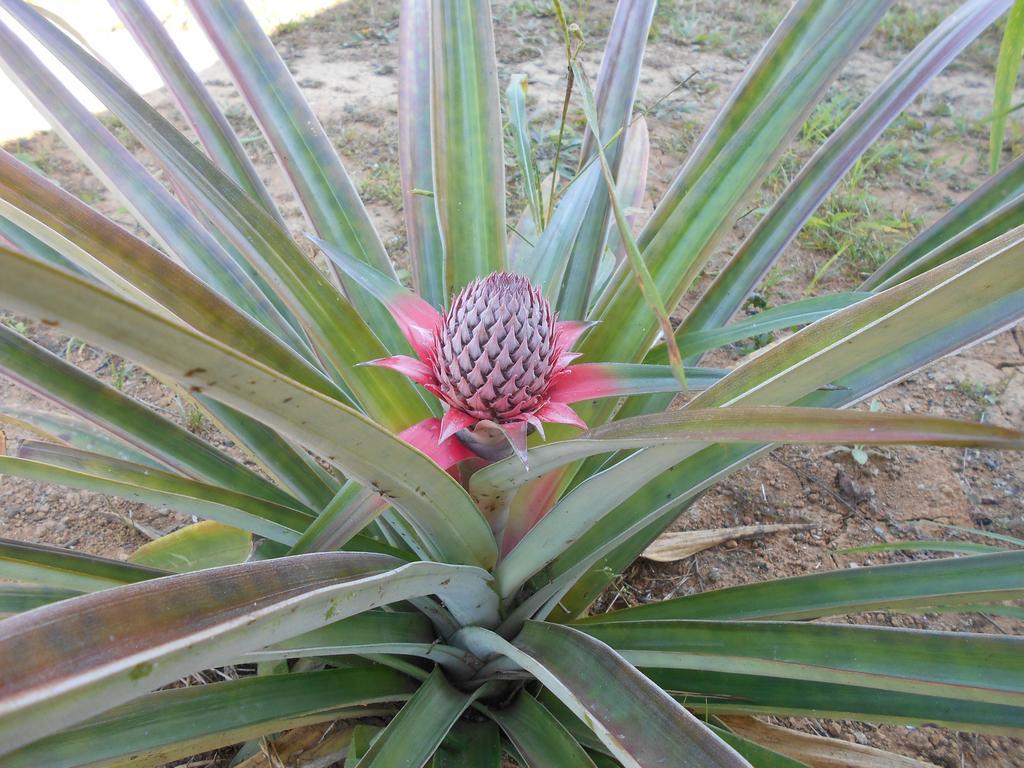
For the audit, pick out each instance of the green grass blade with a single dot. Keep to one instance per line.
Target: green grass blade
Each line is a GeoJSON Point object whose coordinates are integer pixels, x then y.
{"type": "Point", "coordinates": [983, 211]}
{"type": "Point", "coordinates": [415, 153]}
{"type": "Point", "coordinates": [66, 569]}
{"type": "Point", "coordinates": [418, 729]}
{"type": "Point", "coordinates": [634, 719]}
{"type": "Point", "coordinates": [195, 102]}
{"type": "Point", "coordinates": [57, 672]}
{"type": "Point", "coordinates": [171, 725]}
{"type": "Point", "coordinates": [538, 737]}
{"type": "Point", "coordinates": [426, 495]}
{"type": "Point", "coordinates": [469, 170]}
{"type": "Point", "coordinates": [1007, 68]}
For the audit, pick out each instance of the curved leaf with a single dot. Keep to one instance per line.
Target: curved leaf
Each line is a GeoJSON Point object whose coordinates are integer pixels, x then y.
{"type": "Point", "coordinates": [538, 737]}
{"type": "Point", "coordinates": [201, 545]}
{"type": "Point", "coordinates": [300, 144]}
{"type": "Point", "coordinates": [780, 225]}
{"type": "Point", "coordinates": [418, 729]}
{"type": "Point", "coordinates": [439, 508]}
{"type": "Point", "coordinates": [635, 719]}
{"type": "Point", "coordinates": [56, 673]}
{"type": "Point", "coordinates": [169, 725]}
{"type": "Point", "coordinates": [67, 569]}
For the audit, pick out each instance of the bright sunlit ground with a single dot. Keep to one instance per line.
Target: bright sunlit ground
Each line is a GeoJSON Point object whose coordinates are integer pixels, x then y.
{"type": "Point", "coordinates": [100, 27]}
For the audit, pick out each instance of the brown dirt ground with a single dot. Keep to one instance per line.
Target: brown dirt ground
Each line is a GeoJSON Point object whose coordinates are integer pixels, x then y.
{"type": "Point", "coordinates": [345, 61]}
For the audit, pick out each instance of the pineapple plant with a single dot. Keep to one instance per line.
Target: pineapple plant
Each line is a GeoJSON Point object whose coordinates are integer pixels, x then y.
{"type": "Point", "coordinates": [448, 474]}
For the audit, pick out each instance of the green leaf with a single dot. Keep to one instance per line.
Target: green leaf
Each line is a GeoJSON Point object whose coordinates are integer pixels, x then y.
{"type": "Point", "coordinates": [173, 226]}
{"type": "Point", "coordinates": [608, 117]}
{"type": "Point", "coordinates": [430, 498]}
{"type": "Point", "coordinates": [15, 598]}
{"type": "Point", "coordinates": [68, 430]}
{"type": "Point", "coordinates": [718, 693]}
{"type": "Point", "coordinates": [469, 170]}
{"type": "Point", "coordinates": [637, 721]}
{"type": "Point", "coordinates": [857, 350]}
{"type": "Point", "coordinates": [519, 122]}
{"type": "Point", "coordinates": [964, 547]}
{"type": "Point", "coordinates": [133, 267]}
{"type": "Point", "coordinates": [989, 211]}
{"type": "Point", "coordinates": [780, 225]}
{"type": "Point", "coordinates": [26, 242]}
{"type": "Point", "coordinates": [648, 288]}
{"type": "Point", "coordinates": [29, 364]}
{"type": "Point", "coordinates": [195, 102]}
{"type": "Point", "coordinates": [337, 329]}
{"type": "Point", "coordinates": [301, 145]}
{"type": "Point", "coordinates": [904, 586]}
{"type": "Point", "coordinates": [398, 633]}
{"type": "Point", "coordinates": [66, 569]}
{"type": "Point", "coordinates": [1007, 68]}
{"type": "Point", "coordinates": [418, 729]}
{"type": "Point", "coordinates": [971, 667]}
{"type": "Point", "coordinates": [289, 464]}
{"type": "Point", "coordinates": [585, 505]}
{"type": "Point", "coordinates": [202, 545]}
{"type": "Point", "coordinates": [65, 662]}
{"type": "Point", "coordinates": [94, 472]}
{"type": "Point", "coordinates": [415, 153]}
{"type": "Point", "coordinates": [701, 204]}
{"type": "Point", "coordinates": [170, 725]}
{"type": "Point", "coordinates": [538, 737]}
{"type": "Point", "coordinates": [470, 745]}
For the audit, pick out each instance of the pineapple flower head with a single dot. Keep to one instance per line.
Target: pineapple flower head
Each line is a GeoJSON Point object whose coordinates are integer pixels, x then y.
{"type": "Point", "coordinates": [498, 355]}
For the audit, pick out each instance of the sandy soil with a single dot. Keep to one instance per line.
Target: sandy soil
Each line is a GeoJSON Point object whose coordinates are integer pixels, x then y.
{"type": "Point", "coordinates": [345, 61]}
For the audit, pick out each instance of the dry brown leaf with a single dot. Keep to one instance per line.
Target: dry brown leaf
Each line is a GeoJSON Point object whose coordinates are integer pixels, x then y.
{"type": "Point", "coordinates": [679, 545]}
{"type": "Point", "coordinates": [3, 443]}
{"type": "Point", "coordinates": [818, 751]}
{"type": "Point", "coordinates": [311, 746]}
